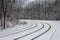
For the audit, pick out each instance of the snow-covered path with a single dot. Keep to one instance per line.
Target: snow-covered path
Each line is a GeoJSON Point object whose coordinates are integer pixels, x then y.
{"type": "Point", "coordinates": [34, 30]}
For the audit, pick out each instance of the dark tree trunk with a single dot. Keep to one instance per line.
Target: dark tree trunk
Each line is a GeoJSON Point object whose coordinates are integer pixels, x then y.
{"type": "Point", "coordinates": [6, 9]}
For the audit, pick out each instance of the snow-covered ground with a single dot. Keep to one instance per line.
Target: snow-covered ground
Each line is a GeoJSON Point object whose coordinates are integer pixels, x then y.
{"type": "Point", "coordinates": [34, 30]}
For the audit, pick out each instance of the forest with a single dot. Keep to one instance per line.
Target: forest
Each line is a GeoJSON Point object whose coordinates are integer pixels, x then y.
{"type": "Point", "coordinates": [13, 10]}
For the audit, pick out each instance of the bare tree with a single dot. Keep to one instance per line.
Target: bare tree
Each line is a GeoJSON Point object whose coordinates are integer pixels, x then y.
{"type": "Point", "coordinates": [6, 6]}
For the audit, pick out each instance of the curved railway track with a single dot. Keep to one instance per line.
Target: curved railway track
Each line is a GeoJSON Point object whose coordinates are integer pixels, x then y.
{"type": "Point", "coordinates": [32, 30]}
{"type": "Point", "coordinates": [43, 32]}
{"type": "Point", "coordinates": [30, 33]}
{"type": "Point", "coordinates": [19, 31]}
{"type": "Point", "coordinates": [35, 32]}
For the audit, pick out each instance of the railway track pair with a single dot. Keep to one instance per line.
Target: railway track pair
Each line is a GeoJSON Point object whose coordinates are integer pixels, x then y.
{"type": "Point", "coordinates": [35, 32]}
{"type": "Point", "coordinates": [31, 27]}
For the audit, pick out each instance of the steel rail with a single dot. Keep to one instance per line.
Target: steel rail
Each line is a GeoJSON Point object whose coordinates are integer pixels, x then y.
{"type": "Point", "coordinates": [19, 31]}
{"type": "Point", "coordinates": [43, 32]}
{"type": "Point", "coordinates": [29, 33]}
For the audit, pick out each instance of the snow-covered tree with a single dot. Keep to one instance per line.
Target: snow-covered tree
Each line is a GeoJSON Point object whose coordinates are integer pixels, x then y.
{"type": "Point", "coordinates": [6, 9]}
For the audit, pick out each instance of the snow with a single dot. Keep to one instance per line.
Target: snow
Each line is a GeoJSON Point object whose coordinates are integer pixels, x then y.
{"type": "Point", "coordinates": [32, 30]}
